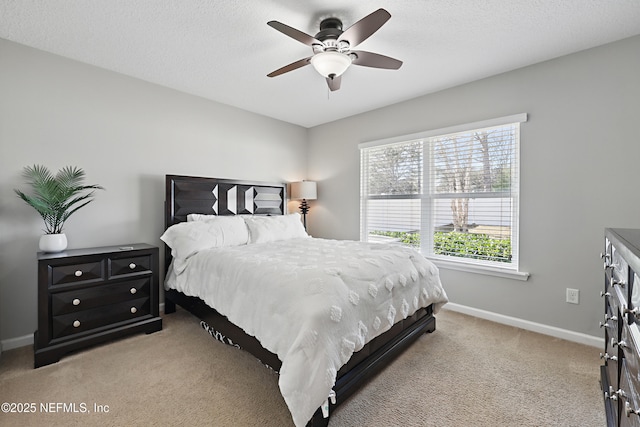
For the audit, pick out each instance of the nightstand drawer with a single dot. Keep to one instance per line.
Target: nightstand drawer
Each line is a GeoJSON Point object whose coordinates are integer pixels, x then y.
{"type": "Point", "coordinates": [129, 265]}
{"type": "Point", "coordinates": [84, 299]}
{"type": "Point", "coordinates": [77, 273]}
{"type": "Point", "coordinates": [86, 320]}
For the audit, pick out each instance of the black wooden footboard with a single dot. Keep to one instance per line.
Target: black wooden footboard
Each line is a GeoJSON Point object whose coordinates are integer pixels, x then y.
{"type": "Point", "coordinates": [363, 365]}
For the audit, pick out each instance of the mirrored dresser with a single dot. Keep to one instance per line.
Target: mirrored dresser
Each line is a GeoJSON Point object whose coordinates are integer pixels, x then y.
{"type": "Point", "coordinates": [620, 373]}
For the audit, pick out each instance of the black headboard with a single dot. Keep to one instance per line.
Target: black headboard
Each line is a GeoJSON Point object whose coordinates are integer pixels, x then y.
{"type": "Point", "coordinates": [214, 196]}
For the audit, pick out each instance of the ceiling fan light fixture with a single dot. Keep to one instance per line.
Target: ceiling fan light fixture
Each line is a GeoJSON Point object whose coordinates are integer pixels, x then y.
{"type": "Point", "coordinates": [332, 53]}
{"type": "Point", "coordinates": [330, 64]}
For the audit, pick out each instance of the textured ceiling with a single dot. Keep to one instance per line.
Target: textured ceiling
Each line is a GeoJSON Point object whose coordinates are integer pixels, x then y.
{"type": "Point", "coordinates": [223, 50]}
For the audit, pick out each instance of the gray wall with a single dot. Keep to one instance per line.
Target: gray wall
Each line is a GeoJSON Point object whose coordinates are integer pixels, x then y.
{"type": "Point", "coordinates": [580, 150]}
{"type": "Point", "coordinates": [126, 134]}
{"type": "Point", "coordinates": [580, 153]}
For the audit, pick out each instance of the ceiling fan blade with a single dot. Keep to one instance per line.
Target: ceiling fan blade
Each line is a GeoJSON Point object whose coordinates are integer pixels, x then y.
{"type": "Point", "coordinates": [293, 66]}
{"type": "Point", "coordinates": [334, 83]}
{"type": "Point", "coordinates": [361, 30]}
{"type": "Point", "coordinates": [294, 34]}
{"type": "Point", "coordinates": [375, 60]}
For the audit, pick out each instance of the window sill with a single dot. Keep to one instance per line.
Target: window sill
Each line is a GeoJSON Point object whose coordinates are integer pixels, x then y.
{"type": "Point", "coordinates": [480, 269]}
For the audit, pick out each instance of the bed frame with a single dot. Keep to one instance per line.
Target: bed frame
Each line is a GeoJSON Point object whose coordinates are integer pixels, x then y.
{"type": "Point", "coordinates": [187, 194]}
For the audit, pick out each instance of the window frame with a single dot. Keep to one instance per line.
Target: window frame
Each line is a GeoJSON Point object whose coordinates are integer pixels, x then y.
{"type": "Point", "coordinates": [510, 270]}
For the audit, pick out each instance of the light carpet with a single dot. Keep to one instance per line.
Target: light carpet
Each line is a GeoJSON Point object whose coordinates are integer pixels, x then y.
{"type": "Point", "coordinates": [469, 372]}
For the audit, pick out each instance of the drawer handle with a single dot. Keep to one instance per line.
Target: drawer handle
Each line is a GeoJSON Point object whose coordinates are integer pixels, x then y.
{"type": "Point", "coordinates": [604, 294]}
{"type": "Point", "coordinates": [75, 302]}
{"type": "Point", "coordinates": [78, 273]}
{"type": "Point", "coordinates": [133, 290]}
{"type": "Point", "coordinates": [622, 343]}
{"type": "Point", "coordinates": [604, 325]}
{"type": "Point", "coordinates": [132, 266]}
{"type": "Point", "coordinates": [628, 410]}
{"type": "Point", "coordinates": [607, 357]}
{"type": "Point", "coordinates": [134, 310]}
{"type": "Point", "coordinates": [634, 310]}
{"type": "Point", "coordinates": [607, 317]}
{"type": "Point", "coordinates": [76, 324]}
{"type": "Point", "coordinates": [618, 282]}
{"type": "Point", "coordinates": [612, 395]}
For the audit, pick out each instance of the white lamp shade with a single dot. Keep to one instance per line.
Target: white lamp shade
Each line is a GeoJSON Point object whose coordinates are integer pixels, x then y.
{"type": "Point", "coordinates": [304, 190]}
{"type": "Point", "coordinates": [330, 63]}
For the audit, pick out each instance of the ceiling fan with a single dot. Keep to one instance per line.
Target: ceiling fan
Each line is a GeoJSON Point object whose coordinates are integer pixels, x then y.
{"type": "Point", "coordinates": [332, 53]}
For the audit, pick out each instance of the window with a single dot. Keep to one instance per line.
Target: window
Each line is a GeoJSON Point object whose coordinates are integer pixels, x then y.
{"type": "Point", "coordinates": [451, 193]}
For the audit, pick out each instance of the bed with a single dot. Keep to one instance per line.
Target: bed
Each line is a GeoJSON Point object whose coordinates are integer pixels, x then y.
{"type": "Point", "coordinates": [321, 360]}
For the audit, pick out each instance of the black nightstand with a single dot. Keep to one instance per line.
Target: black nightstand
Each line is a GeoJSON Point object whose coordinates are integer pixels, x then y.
{"type": "Point", "coordinates": [88, 296]}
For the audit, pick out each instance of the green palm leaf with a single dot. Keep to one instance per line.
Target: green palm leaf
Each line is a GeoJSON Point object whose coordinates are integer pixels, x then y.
{"type": "Point", "coordinates": [57, 197]}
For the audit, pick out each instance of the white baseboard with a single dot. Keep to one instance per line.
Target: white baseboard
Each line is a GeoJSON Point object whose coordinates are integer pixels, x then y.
{"type": "Point", "coordinates": [12, 343]}
{"type": "Point", "coordinates": [565, 334]}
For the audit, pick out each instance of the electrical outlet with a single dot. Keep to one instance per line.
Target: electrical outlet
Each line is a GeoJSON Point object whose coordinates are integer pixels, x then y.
{"type": "Point", "coordinates": [573, 296]}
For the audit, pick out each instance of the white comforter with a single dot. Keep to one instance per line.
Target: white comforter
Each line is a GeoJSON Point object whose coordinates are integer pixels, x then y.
{"type": "Point", "coordinates": [313, 302]}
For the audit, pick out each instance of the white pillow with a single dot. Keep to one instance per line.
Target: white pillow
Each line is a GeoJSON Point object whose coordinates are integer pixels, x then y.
{"type": "Point", "coordinates": [188, 238]}
{"type": "Point", "coordinates": [264, 229]}
{"type": "Point", "coordinates": [207, 217]}
{"type": "Point", "coordinates": [200, 217]}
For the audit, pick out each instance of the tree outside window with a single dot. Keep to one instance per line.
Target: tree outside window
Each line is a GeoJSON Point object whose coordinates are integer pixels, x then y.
{"type": "Point", "coordinates": [457, 191]}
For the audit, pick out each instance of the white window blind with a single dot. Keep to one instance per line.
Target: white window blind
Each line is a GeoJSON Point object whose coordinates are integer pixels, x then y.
{"type": "Point", "coordinates": [452, 193]}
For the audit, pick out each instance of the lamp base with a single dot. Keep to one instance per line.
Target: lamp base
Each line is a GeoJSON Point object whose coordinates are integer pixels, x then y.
{"type": "Point", "coordinates": [304, 208]}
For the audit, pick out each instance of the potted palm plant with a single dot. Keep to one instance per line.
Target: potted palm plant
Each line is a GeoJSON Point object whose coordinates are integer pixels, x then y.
{"type": "Point", "coordinates": [55, 198]}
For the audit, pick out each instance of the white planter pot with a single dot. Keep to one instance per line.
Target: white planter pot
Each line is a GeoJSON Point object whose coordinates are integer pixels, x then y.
{"type": "Point", "coordinates": [53, 242]}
